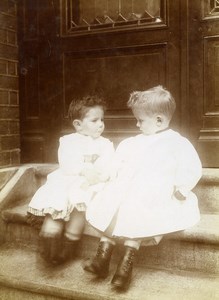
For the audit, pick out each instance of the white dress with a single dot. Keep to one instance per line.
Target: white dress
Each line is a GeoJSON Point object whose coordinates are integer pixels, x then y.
{"type": "Point", "coordinates": [150, 168]}
{"type": "Point", "coordinates": [65, 187]}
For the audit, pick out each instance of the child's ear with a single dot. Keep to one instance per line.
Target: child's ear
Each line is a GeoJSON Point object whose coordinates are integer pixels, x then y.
{"type": "Point", "coordinates": [77, 124]}
{"type": "Point", "coordinates": [159, 120]}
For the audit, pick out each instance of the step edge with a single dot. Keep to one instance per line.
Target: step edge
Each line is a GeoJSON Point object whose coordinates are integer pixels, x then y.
{"type": "Point", "coordinates": [48, 289]}
{"type": "Point", "coordinates": [191, 234]}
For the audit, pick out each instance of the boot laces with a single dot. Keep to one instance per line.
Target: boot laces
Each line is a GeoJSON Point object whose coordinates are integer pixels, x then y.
{"type": "Point", "coordinates": [127, 263]}
{"type": "Point", "coordinates": [102, 251]}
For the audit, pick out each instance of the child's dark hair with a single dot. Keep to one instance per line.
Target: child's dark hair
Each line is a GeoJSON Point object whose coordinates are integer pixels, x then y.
{"type": "Point", "coordinates": [79, 107]}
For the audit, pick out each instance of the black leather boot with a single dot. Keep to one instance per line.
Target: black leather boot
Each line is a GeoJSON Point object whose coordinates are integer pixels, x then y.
{"type": "Point", "coordinates": [50, 248]}
{"type": "Point", "coordinates": [122, 277]}
{"type": "Point", "coordinates": [69, 250]}
{"type": "Point", "coordinates": [100, 264]}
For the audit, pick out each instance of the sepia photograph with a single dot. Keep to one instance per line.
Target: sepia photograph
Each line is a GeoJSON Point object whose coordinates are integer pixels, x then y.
{"type": "Point", "coordinates": [109, 149]}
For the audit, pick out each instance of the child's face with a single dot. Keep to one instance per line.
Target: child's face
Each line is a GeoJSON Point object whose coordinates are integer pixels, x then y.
{"type": "Point", "coordinates": [92, 124]}
{"type": "Point", "coordinates": [146, 123]}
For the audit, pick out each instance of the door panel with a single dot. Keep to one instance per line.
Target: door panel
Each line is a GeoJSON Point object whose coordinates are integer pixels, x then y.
{"type": "Point", "coordinates": [136, 68]}
{"type": "Point", "coordinates": [204, 78]}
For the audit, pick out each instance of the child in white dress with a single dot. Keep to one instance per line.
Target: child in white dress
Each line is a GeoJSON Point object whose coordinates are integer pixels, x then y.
{"type": "Point", "coordinates": [84, 167]}
{"type": "Point", "coordinates": [152, 192]}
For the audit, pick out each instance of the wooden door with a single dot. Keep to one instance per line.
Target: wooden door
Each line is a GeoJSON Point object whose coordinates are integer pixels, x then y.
{"type": "Point", "coordinates": [75, 47]}
{"type": "Point", "coordinates": [40, 80]}
{"type": "Point", "coordinates": [204, 78]}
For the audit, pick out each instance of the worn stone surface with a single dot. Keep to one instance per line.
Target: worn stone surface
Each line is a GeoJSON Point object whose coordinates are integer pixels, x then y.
{"type": "Point", "coordinates": [185, 265]}
{"type": "Point", "coordinates": [6, 175]}
{"type": "Point", "coordinates": [24, 271]}
{"type": "Point", "coordinates": [196, 248]}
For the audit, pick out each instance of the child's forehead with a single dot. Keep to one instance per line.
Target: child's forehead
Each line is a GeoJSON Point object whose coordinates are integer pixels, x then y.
{"type": "Point", "coordinates": [140, 113]}
{"type": "Point", "coordinates": [94, 110]}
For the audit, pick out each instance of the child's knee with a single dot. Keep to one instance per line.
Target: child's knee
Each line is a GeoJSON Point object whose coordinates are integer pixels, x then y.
{"type": "Point", "coordinates": [74, 230]}
{"type": "Point", "coordinates": [75, 226]}
{"type": "Point", "coordinates": [51, 227]}
{"type": "Point", "coordinates": [73, 236]}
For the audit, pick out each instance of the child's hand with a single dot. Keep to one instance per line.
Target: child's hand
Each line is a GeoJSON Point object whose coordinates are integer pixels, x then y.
{"type": "Point", "coordinates": [85, 185]}
{"type": "Point", "coordinates": [179, 196]}
{"type": "Point", "coordinates": [92, 176]}
{"type": "Point", "coordinates": [91, 158]}
{"type": "Point", "coordinates": [81, 206]}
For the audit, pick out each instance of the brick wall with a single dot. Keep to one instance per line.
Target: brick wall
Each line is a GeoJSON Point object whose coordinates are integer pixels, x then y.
{"type": "Point", "coordinates": [9, 96]}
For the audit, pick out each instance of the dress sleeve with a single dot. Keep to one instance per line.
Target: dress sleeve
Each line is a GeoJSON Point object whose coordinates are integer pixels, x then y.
{"type": "Point", "coordinates": [70, 156]}
{"type": "Point", "coordinates": [189, 168]}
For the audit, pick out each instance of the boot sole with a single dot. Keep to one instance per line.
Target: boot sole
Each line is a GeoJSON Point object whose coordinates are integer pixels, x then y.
{"type": "Point", "coordinates": [121, 286]}
{"type": "Point", "coordinates": [92, 270]}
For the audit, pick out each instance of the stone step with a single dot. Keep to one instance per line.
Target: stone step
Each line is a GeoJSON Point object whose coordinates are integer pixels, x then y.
{"type": "Point", "coordinates": [24, 276]}
{"type": "Point", "coordinates": [17, 184]}
{"type": "Point", "coordinates": [193, 249]}
{"type": "Point", "coordinates": [205, 231]}
{"type": "Point", "coordinates": [34, 175]}
{"type": "Point", "coordinates": [207, 191]}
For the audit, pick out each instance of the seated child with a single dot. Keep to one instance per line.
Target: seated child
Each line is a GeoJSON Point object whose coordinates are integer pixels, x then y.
{"type": "Point", "coordinates": [152, 192]}
{"type": "Point", "coordinates": [84, 167]}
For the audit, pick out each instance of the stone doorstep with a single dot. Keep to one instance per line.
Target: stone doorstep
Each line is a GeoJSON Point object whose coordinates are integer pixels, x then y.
{"type": "Point", "coordinates": [6, 175]}
{"type": "Point", "coordinates": [207, 190]}
{"type": "Point", "coordinates": [209, 174]}
{"type": "Point", "coordinates": [34, 175]}
{"type": "Point", "coordinates": [206, 231]}
{"type": "Point", "coordinates": [194, 249]}
{"type": "Point", "coordinates": [35, 280]}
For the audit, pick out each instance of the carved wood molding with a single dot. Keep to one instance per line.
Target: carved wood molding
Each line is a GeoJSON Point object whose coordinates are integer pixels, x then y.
{"type": "Point", "coordinates": [81, 16]}
{"type": "Point", "coordinates": [210, 9]}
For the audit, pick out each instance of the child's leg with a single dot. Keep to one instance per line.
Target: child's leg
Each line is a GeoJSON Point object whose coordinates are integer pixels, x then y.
{"type": "Point", "coordinates": [51, 238]}
{"type": "Point", "coordinates": [133, 244]}
{"type": "Point", "coordinates": [72, 233]}
{"type": "Point", "coordinates": [123, 274]}
{"type": "Point", "coordinates": [75, 226]}
{"type": "Point", "coordinates": [100, 263]}
{"type": "Point", "coordinates": [51, 227]}
{"type": "Point", "coordinates": [122, 277]}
